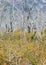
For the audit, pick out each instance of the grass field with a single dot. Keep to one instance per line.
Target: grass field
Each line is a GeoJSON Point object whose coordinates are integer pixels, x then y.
{"type": "Point", "coordinates": [28, 49]}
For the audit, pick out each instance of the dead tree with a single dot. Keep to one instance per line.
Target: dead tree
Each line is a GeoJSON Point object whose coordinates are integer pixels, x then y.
{"type": "Point", "coordinates": [11, 26]}
{"type": "Point", "coordinates": [28, 20]}
{"type": "Point", "coordinates": [6, 26]}
{"type": "Point", "coordinates": [28, 29]}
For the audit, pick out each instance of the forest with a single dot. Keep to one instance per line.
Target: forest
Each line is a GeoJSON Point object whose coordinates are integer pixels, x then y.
{"type": "Point", "coordinates": [22, 32]}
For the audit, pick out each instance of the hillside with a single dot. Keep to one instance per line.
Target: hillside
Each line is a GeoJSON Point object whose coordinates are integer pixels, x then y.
{"type": "Point", "coordinates": [15, 49]}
